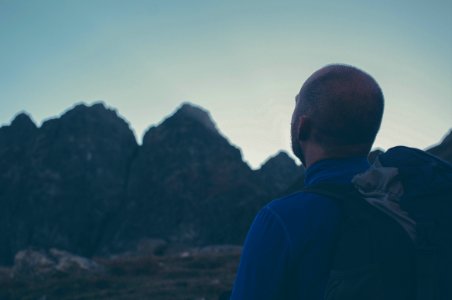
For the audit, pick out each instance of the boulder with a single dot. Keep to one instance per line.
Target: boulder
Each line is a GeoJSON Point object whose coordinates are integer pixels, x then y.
{"type": "Point", "coordinates": [36, 264]}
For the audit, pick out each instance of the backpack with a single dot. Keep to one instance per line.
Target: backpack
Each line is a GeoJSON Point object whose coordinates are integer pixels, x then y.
{"type": "Point", "coordinates": [394, 243]}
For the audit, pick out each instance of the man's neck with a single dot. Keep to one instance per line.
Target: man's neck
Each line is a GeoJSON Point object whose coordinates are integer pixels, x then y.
{"type": "Point", "coordinates": [314, 152]}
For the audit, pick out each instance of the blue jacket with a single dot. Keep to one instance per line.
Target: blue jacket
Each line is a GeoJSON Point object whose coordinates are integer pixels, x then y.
{"type": "Point", "coordinates": [289, 246]}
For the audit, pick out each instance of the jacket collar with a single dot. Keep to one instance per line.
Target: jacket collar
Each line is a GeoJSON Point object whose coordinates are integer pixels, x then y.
{"type": "Point", "coordinates": [336, 170]}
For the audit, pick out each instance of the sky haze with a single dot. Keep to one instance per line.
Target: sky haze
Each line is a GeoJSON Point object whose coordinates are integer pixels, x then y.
{"type": "Point", "coordinates": [244, 61]}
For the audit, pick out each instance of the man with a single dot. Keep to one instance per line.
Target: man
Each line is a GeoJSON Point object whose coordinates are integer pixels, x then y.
{"type": "Point", "coordinates": [288, 250]}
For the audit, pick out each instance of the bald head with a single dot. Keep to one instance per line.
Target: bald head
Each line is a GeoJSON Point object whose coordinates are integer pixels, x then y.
{"type": "Point", "coordinates": [343, 106]}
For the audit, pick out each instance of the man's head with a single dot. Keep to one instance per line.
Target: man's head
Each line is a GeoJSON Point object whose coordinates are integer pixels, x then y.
{"type": "Point", "coordinates": [337, 114]}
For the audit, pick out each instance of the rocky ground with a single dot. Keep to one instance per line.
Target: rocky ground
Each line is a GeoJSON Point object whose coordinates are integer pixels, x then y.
{"type": "Point", "coordinates": [191, 274]}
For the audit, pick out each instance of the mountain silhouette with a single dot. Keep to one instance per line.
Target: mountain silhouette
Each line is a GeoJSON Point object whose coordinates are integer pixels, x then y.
{"type": "Point", "coordinates": [81, 183]}
{"type": "Point", "coordinates": [187, 183]}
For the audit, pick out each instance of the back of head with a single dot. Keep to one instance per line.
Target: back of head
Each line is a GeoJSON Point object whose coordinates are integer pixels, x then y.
{"type": "Point", "coordinates": [344, 105]}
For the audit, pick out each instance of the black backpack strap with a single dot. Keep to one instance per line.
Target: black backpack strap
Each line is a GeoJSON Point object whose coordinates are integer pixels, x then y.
{"type": "Point", "coordinates": [355, 211]}
{"type": "Point", "coordinates": [427, 263]}
{"type": "Point", "coordinates": [426, 256]}
{"type": "Point", "coordinates": [368, 240]}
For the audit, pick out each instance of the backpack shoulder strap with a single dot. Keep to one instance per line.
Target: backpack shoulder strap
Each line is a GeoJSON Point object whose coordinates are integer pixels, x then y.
{"type": "Point", "coordinates": [370, 240]}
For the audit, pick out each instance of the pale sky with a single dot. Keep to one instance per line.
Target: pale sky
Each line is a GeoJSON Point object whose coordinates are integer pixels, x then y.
{"type": "Point", "coordinates": [244, 61]}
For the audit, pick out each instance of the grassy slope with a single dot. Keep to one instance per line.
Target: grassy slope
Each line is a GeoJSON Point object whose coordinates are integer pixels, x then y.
{"type": "Point", "coordinates": [157, 278]}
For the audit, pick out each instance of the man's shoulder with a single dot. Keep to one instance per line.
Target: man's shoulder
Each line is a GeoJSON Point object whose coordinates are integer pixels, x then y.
{"type": "Point", "coordinates": [302, 201]}
{"type": "Point", "coordinates": [305, 217]}
{"type": "Point", "coordinates": [303, 211]}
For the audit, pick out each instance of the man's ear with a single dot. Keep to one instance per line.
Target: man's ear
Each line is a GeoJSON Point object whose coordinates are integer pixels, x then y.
{"type": "Point", "coordinates": [304, 128]}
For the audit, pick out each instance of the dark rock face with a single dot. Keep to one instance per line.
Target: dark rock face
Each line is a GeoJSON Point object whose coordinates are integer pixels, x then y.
{"type": "Point", "coordinates": [444, 149]}
{"type": "Point", "coordinates": [71, 182]}
{"type": "Point", "coordinates": [15, 165]}
{"type": "Point", "coordinates": [279, 173]}
{"type": "Point", "coordinates": [189, 185]}
{"type": "Point", "coordinates": [80, 183]}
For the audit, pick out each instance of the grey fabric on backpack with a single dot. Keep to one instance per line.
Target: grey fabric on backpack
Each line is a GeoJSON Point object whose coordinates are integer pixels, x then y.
{"type": "Point", "coordinates": [382, 188]}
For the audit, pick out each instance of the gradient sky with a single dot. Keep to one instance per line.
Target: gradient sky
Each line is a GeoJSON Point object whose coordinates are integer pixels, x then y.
{"type": "Point", "coordinates": [244, 61]}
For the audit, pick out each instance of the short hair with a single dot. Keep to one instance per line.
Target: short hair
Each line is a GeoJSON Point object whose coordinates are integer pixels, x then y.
{"type": "Point", "coordinates": [344, 104]}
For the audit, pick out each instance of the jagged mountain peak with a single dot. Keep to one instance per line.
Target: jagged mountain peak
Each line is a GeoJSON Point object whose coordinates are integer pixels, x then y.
{"type": "Point", "coordinates": [448, 137]}
{"type": "Point", "coordinates": [280, 155]}
{"type": "Point", "coordinates": [197, 113]}
{"type": "Point", "coordinates": [279, 172]}
{"type": "Point", "coordinates": [82, 114]}
{"type": "Point", "coordinates": [279, 159]}
{"type": "Point", "coordinates": [444, 148]}
{"type": "Point", "coordinates": [95, 108]}
{"type": "Point", "coordinates": [21, 131]}
{"type": "Point", "coordinates": [23, 120]}
{"type": "Point", "coordinates": [187, 121]}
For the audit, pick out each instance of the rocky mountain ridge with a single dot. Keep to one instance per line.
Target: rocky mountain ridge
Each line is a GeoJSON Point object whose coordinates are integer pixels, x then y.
{"type": "Point", "coordinates": [81, 183]}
